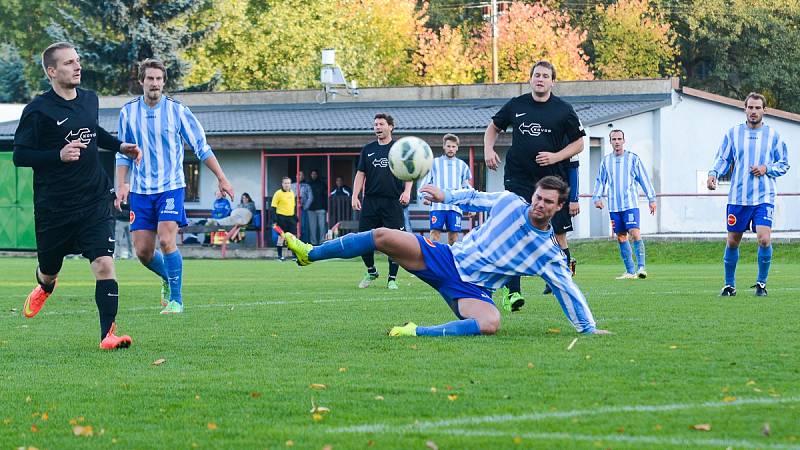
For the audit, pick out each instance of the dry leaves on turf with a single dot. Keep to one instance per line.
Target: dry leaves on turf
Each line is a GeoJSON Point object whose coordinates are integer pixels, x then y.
{"type": "Point", "coordinates": [342, 369]}
{"type": "Point", "coordinates": [212, 426]}
{"type": "Point", "coordinates": [766, 430]}
{"type": "Point", "coordinates": [452, 397]}
{"type": "Point", "coordinates": [553, 330]}
{"type": "Point", "coordinates": [159, 362]}
{"type": "Point", "coordinates": [85, 431]}
{"type": "Point", "coordinates": [379, 397]}
{"type": "Point", "coordinates": [701, 427]}
{"type": "Point", "coordinates": [255, 394]}
{"type": "Point", "coordinates": [289, 443]}
{"type": "Point", "coordinates": [318, 386]}
{"type": "Point", "coordinates": [530, 365]}
{"type": "Point", "coordinates": [431, 445]}
{"type": "Point", "coordinates": [729, 398]}
{"type": "Point", "coordinates": [34, 428]}
{"type": "Point", "coordinates": [572, 344]}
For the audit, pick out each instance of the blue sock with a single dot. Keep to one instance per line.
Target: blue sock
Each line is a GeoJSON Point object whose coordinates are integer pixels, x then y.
{"type": "Point", "coordinates": [627, 257]}
{"type": "Point", "coordinates": [347, 246]}
{"type": "Point", "coordinates": [638, 248]}
{"type": "Point", "coordinates": [158, 265]}
{"type": "Point", "coordinates": [730, 259]}
{"type": "Point", "coordinates": [466, 327]}
{"type": "Point", "coordinates": [174, 264]}
{"type": "Point", "coordinates": [764, 261]}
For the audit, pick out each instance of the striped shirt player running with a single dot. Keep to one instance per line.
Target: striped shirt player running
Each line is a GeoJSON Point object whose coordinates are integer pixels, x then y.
{"type": "Point", "coordinates": [757, 156]}
{"type": "Point", "coordinates": [620, 172]}
{"type": "Point", "coordinates": [447, 172]}
{"type": "Point", "coordinates": [516, 239]}
{"type": "Point", "coordinates": [159, 125]}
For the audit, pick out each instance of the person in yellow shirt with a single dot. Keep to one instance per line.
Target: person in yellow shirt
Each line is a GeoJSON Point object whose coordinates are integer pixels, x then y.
{"type": "Point", "coordinates": [283, 212]}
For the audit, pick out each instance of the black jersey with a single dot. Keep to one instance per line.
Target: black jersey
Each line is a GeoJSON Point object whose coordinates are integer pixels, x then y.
{"type": "Point", "coordinates": [537, 127]}
{"type": "Point", "coordinates": [374, 162]}
{"type": "Point", "coordinates": [48, 123]}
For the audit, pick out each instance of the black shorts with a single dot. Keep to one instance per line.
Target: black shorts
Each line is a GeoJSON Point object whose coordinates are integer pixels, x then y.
{"type": "Point", "coordinates": [381, 212]}
{"type": "Point", "coordinates": [287, 223]}
{"type": "Point", "coordinates": [561, 221]}
{"type": "Point", "coordinates": [89, 233]}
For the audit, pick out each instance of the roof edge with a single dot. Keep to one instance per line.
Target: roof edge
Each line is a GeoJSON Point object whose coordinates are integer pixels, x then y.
{"type": "Point", "coordinates": [737, 103]}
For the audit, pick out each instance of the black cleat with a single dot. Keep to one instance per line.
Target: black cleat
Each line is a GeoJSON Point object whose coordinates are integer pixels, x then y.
{"type": "Point", "coordinates": [728, 291]}
{"type": "Point", "coordinates": [761, 289]}
{"type": "Point", "coordinates": [547, 289]}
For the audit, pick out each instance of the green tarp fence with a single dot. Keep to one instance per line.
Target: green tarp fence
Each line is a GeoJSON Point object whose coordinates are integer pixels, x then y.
{"type": "Point", "coordinates": [16, 206]}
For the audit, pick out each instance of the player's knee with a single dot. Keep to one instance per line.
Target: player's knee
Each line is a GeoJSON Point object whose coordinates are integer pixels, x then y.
{"type": "Point", "coordinates": [489, 325]}
{"type": "Point", "coordinates": [379, 235]}
{"type": "Point", "coordinates": [144, 256]}
{"type": "Point", "coordinates": [622, 237]}
{"type": "Point", "coordinates": [764, 241]}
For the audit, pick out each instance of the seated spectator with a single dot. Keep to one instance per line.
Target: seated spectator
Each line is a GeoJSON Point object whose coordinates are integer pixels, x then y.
{"type": "Point", "coordinates": [222, 207]}
{"type": "Point", "coordinates": [247, 202]}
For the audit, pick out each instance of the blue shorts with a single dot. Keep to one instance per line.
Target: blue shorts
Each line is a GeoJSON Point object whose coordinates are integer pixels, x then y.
{"type": "Point", "coordinates": [149, 209]}
{"type": "Point", "coordinates": [622, 221]}
{"type": "Point", "coordinates": [742, 217]}
{"type": "Point", "coordinates": [442, 218]}
{"type": "Point", "coordinates": [441, 274]}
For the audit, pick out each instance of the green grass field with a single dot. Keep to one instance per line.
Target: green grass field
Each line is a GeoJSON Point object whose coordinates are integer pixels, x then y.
{"type": "Point", "coordinates": [239, 364]}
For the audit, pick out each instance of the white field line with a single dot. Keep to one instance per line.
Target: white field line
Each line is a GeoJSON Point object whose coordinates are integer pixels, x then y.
{"type": "Point", "coordinates": [656, 441]}
{"type": "Point", "coordinates": [533, 417]}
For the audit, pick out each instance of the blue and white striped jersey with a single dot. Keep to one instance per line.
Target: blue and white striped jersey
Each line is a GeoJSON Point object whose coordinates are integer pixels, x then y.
{"type": "Point", "coordinates": [508, 244]}
{"type": "Point", "coordinates": [159, 132]}
{"type": "Point", "coordinates": [619, 175]}
{"type": "Point", "coordinates": [744, 147]}
{"type": "Point", "coordinates": [447, 173]}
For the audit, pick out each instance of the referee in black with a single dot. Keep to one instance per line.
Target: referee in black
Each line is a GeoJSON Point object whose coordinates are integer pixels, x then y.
{"type": "Point", "coordinates": [384, 195]}
{"type": "Point", "coordinates": [58, 136]}
{"type": "Point", "coordinates": [546, 134]}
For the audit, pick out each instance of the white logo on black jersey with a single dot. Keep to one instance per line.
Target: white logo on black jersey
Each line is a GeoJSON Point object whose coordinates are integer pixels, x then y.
{"type": "Point", "coordinates": [84, 135]}
{"type": "Point", "coordinates": [534, 129]}
{"type": "Point", "coordinates": [59, 122]}
{"type": "Point", "coordinates": [519, 114]}
{"type": "Point", "coordinates": [382, 162]}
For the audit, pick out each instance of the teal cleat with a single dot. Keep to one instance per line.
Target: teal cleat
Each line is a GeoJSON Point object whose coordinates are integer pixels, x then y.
{"type": "Point", "coordinates": [392, 285]}
{"type": "Point", "coordinates": [173, 308]}
{"type": "Point", "coordinates": [367, 280]}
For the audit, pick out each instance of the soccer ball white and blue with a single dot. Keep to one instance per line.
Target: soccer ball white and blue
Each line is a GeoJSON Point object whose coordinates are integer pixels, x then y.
{"type": "Point", "coordinates": [410, 158]}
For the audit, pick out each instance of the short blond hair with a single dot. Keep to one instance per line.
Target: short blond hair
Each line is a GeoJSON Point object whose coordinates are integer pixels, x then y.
{"type": "Point", "coordinates": [450, 137]}
{"type": "Point", "coordinates": [48, 60]}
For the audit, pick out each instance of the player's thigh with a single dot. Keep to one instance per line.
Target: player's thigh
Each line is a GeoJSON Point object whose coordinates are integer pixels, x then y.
{"type": "Point", "coordinates": [402, 247]}
{"type": "Point", "coordinates": [167, 233]}
{"type": "Point", "coordinates": [53, 242]}
{"type": "Point", "coordinates": [485, 313]}
{"type": "Point", "coordinates": [170, 208]}
{"type": "Point", "coordinates": [392, 214]}
{"type": "Point", "coordinates": [370, 217]}
{"type": "Point", "coordinates": [95, 234]}
{"type": "Point", "coordinates": [764, 235]}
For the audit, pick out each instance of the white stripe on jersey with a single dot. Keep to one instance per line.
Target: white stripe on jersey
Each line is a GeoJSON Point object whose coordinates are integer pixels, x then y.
{"type": "Point", "coordinates": [159, 132]}
{"type": "Point", "coordinates": [507, 244]}
{"type": "Point", "coordinates": [745, 147]}
{"type": "Point", "coordinates": [447, 173]}
{"type": "Point", "coordinates": [619, 175]}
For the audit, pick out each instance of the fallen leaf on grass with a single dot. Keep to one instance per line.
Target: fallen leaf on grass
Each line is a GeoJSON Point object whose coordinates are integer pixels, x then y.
{"type": "Point", "coordinates": [658, 427]}
{"type": "Point", "coordinates": [553, 330]}
{"type": "Point", "coordinates": [452, 397]}
{"type": "Point", "coordinates": [431, 445]}
{"type": "Point", "coordinates": [729, 398]}
{"type": "Point", "coordinates": [750, 382]}
{"type": "Point", "coordinates": [211, 426]}
{"type": "Point", "coordinates": [673, 347]}
{"type": "Point", "coordinates": [342, 369]}
{"type": "Point", "coordinates": [701, 427]}
{"type": "Point", "coordinates": [197, 397]}
{"type": "Point", "coordinates": [434, 390]}
{"type": "Point", "coordinates": [34, 428]}
{"type": "Point", "coordinates": [159, 362]}
{"type": "Point", "coordinates": [28, 399]}
{"type": "Point", "coordinates": [289, 443]}
{"type": "Point", "coordinates": [621, 430]}
{"type": "Point", "coordinates": [766, 430]}
{"type": "Point", "coordinates": [7, 421]}
{"type": "Point", "coordinates": [530, 365]}
{"type": "Point", "coordinates": [379, 397]}
{"type": "Point", "coordinates": [327, 447]}
{"type": "Point", "coordinates": [316, 417]}
{"type": "Point", "coordinates": [413, 346]}
{"type": "Point", "coordinates": [370, 443]}
{"type": "Point", "coordinates": [572, 344]}
{"type": "Point", "coordinates": [255, 394]}
{"type": "Point", "coordinates": [318, 386]}
{"type": "Point", "coordinates": [517, 440]}
{"type": "Point", "coordinates": [85, 431]}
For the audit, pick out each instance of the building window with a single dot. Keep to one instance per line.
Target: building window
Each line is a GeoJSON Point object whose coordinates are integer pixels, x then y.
{"type": "Point", "coordinates": [191, 173]}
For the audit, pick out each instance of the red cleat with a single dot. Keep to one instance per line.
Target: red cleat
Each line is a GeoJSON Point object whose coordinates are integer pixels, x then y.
{"type": "Point", "coordinates": [35, 301]}
{"type": "Point", "coordinates": [113, 342]}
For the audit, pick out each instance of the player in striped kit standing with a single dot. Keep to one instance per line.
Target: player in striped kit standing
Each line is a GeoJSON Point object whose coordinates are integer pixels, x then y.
{"type": "Point", "coordinates": [159, 125]}
{"type": "Point", "coordinates": [757, 156]}
{"type": "Point", "coordinates": [515, 239]}
{"type": "Point", "coordinates": [447, 172]}
{"type": "Point", "coordinates": [620, 172]}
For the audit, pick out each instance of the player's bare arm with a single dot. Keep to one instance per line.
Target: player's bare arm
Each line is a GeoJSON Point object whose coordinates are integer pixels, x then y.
{"type": "Point", "coordinates": [358, 186]}
{"type": "Point", "coordinates": [224, 185]}
{"type": "Point", "coordinates": [405, 197]}
{"type": "Point", "coordinates": [489, 138]}
{"type": "Point", "coordinates": [123, 188]}
{"type": "Point", "coordinates": [131, 151]}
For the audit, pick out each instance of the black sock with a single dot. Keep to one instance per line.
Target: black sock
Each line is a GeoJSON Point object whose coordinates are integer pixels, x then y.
{"type": "Point", "coordinates": [513, 285]}
{"type": "Point", "coordinates": [280, 252]}
{"type": "Point", "coordinates": [369, 261]}
{"type": "Point", "coordinates": [106, 295]}
{"type": "Point", "coordinates": [372, 270]}
{"type": "Point", "coordinates": [393, 269]}
{"type": "Point", "coordinates": [566, 252]}
{"type": "Point", "coordinates": [45, 287]}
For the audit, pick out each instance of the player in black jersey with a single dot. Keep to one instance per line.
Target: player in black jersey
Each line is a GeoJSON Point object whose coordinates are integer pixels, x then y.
{"type": "Point", "coordinates": [58, 136]}
{"type": "Point", "coordinates": [546, 134]}
{"type": "Point", "coordinates": [384, 194]}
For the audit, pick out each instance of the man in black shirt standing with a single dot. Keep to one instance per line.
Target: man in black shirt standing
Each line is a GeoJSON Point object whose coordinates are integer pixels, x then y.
{"type": "Point", "coordinates": [546, 134]}
{"type": "Point", "coordinates": [384, 195]}
{"type": "Point", "coordinates": [58, 136]}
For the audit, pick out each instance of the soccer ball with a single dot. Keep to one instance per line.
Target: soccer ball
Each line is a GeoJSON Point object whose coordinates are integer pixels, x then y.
{"type": "Point", "coordinates": [410, 158]}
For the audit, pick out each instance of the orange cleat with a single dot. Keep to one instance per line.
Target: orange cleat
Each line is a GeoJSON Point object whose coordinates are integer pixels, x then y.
{"type": "Point", "coordinates": [113, 342]}
{"type": "Point", "coordinates": [35, 301]}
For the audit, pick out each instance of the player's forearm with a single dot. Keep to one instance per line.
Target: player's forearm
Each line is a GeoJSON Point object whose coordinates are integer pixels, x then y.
{"type": "Point", "coordinates": [567, 292]}
{"type": "Point", "coordinates": [213, 165]}
{"type": "Point", "coordinates": [572, 149]}
{"type": "Point", "coordinates": [472, 200]}
{"type": "Point", "coordinates": [122, 175]}
{"type": "Point", "coordinates": [407, 187]}
{"type": "Point", "coordinates": [490, 136]}
{"type": "Point", "coordinates": [106, 140]}
{"type": "Point", "coordinates": [358, 184]}
{"type": "Point", "coordinates": [27, 157]}
{"type": "Point", "coordinates": [777, 169]}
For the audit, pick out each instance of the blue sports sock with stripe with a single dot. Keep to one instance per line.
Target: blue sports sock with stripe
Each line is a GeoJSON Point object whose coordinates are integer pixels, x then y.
{"type": "Point", "coordinates": [157, 265]}
{"type": "Point", "coordinates": [764, 261]}
{"type": "Point", "coordinates": [347, 246]}
{"type": "Point", "coordinates": [627, 257]}
{"type": "Point", "coordinates": [174, 263]}
{"type": "Point", "coordinates": [730, 259]}
{"type": "Point", "coordinates": [466, 327]}
{"type": "Point", "coordinates": [638, 248]}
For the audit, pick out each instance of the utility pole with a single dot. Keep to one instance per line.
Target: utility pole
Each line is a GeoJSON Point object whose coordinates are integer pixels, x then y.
{"type": "Point", "coordinates": [494, 40]}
